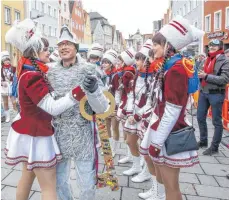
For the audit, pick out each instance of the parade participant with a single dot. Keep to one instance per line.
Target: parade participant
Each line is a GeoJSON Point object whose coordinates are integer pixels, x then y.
{"type": "Point", "coordinates": [214, 78]}
{"type": "Point", "coordinates": [135, 105]}
{"type": "Point", "coordinates": [7, 74]}
{"type": "Point", "coordinates": [95, 55]}
{"type": "Point", "coordinates": [112, 83]}
{"type": "Point", "coordinates": [31, 137]}
{"type": "Point", "coordinates": [144, 134]}
{"type": "Point", "coordinates": [74, 134]}
{"type": "Point", "coordinates": [127, 74]}
{"type": "Point", "coordinates": [172, 97]}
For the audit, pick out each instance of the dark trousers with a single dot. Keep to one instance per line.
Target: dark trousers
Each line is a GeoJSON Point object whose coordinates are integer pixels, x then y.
{"type": "Point", "coordinates": [216, 102]}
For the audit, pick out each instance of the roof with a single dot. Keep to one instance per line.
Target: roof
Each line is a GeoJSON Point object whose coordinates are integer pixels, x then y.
{"type": "Point", "coordinates": [71, 5]}
{"type": "Point", "coordinates": [95, 15]}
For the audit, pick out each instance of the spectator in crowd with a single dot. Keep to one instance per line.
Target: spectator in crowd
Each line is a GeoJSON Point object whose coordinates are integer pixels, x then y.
{"type": "Point", "coordinates": [226, 52]}
{"type": "Point", "coordinates": [7, 74]}
{"type": "Point", "coordinates": [214, 77]}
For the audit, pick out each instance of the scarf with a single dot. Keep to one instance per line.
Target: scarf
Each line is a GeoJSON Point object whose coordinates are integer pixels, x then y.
{"type": "Point", "coordinates": [26, 63]}
{"type": "Point", "coordinates": [210, 64]}
{"type": "Point", "coordinates": [156, 64]}
{"type": "Point", "coordinates": [6, 66]}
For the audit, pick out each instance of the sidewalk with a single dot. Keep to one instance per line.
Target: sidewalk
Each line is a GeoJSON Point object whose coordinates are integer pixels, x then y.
{"type": "Point", "coordinates": [206, 181]}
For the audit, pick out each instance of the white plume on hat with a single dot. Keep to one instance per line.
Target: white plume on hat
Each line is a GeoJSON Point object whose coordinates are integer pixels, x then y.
{"type": "Point", "coordinates": [180, 33]}
{"type": "Point", "coordinates": [5, 55]}
{"type": "Point", "coordinates": [24, 35]}
{"type": "Point", "coordinates": [55, 56]}
{"type": "Point", "coordinates": [96, 49]}
{"type": "Point", "coordinates": [66, 35]}
{"type": "Point", "coordinates": [128, 56]}
{"type": "Point", "coordinates": [111, 55]}
{"type": "Point", "coordinates": [148, 45]}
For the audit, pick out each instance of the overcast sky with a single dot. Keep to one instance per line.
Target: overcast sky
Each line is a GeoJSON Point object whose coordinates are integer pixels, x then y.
{"type": "Point", "coordinates": [129, 15]}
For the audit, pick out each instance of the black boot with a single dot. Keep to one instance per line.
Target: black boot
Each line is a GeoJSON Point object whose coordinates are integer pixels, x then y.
{"type": "Point", "coordinates": [202, 144]}
{"type": "Point", "coordinates": [210, 151]}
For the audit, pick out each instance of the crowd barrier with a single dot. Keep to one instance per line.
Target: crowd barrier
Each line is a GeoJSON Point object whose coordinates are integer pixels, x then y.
{"type": "Point", "coordinates": [225, 110]}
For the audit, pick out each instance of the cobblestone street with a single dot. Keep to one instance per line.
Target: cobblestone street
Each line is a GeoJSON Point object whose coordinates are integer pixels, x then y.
{"type": "Point", "coordinates": [206, 181]}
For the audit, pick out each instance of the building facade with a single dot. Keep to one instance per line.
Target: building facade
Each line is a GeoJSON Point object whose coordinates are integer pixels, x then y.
{"type": "Point", "coordinates": [64, 14]}
{"type": "Point", "coordinates": [135, 41]}
{"type": "Point", "coordinates": [10, 11]}
{"type": "Point", "coordinates": [87, 29]}
{"type": "Point", "coordinates": [97, 32]}
{"type": "Point", "coordinates": [46, 14]}
{"type": "Point", "coordinates": [77, 19]}
{"type": "Point", "coordinates": [193, 11]}
{"type": "Point", "coordinates": [216, 22]}
{"type": "Point", "coordinates": [114, 39]}
{"type": "Point", "coordinates": [107, 28]}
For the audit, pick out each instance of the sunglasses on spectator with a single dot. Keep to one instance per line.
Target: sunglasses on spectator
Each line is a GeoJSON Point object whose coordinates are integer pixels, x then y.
{"type": "Point", "coordinates": [214, 42]}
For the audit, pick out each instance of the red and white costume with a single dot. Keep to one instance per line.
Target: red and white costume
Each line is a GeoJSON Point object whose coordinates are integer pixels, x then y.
{"type": "Point", "coordinates": [136, 99]}
{"type": "Point", "coordinates": [169, 114]}
{"type": "Point", "coordinates": [31, 136]}
{"type": "Point", "coordinates": [127, 82]}
{"type": "Point", "coordinates": [127, 76]}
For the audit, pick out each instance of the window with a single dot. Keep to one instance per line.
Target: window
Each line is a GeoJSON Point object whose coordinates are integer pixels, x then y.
{"type": "Point", "coordinates": [196, 24]}
{"type": "Point", "coordinates": [73, 24]}
{"type": "Point", "coordinates": [217, 20]}
{"type": "Point", "coordinates": [189, 6]}
{"type": "Point", "coordinates": [184, 9]}
{"type": "Point", "coordinates": [43, 29]}
{"type": "Point", "coordinates": [195, 3]}
{"type": "Point", "coordinates": [65, 7]}
{"type": "Point", "coordinates": [62, 20]}
{"type": "Point", "coordinates": [54, 12]}
{"type": "Point", "coordinates": [42, 7]}
{"type": "Point", "coordinates": [8, 48]}
{"type": "Point", "coordinates": [181, 13]}
{"type": "Point", "coordinates": [17, 15]}
{"type": "Point", "coordinates": [208, 23]}
{"type": "Point", "coordinates": [7, 15]}
{"type": "Point", "coordinates": [50, 30]}
{"type": "Point", "coordinates": [79, 27]}
{"type": "Point", "coordinates": [49, 10]}
{"type": "Point", "coordinates": [227, 18]}
{"type": "Point", "coordinates": [34, 4]}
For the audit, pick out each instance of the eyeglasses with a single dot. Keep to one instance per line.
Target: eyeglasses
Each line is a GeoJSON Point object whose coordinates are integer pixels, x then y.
{"type": "Point", "coordinates": [64, 44]}
{"type": "Point", "coordinates": [214, 42]}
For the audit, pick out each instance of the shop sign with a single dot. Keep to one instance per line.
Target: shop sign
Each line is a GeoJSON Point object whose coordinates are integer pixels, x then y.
{"type": "Point", "coordinates": [222, 35]}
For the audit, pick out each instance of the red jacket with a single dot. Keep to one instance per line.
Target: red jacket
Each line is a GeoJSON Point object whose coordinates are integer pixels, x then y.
{"type": "Point", "coordinates": [175, 85]}
{"type": "Point", "coordinates": [127, 80]}
{"type": "Point", "coordinates": [32, 88]}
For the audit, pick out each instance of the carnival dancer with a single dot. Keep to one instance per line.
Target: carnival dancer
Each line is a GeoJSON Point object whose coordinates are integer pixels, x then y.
{"type": "Point", "coordinates": [126, 73]}
{"type": "Point", "coordinates": [171, 103]}
{"type": "Point", "coordinates": [108, 63]}
{"type": "Point", "coordinates": [7, 75]}
{"type": "Point", "coordinates": [31, 138]}
{"type": "Point", "coordinates": [74, 134]}
{"type": "Point", "coordinates": [135, 103]}
{"type": "Point", "coordinates": [95, 55]}
{"type": "Point", "coordinates": [148, 171]}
